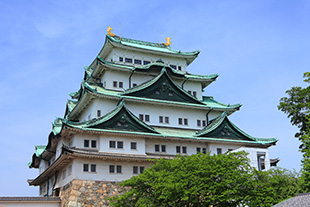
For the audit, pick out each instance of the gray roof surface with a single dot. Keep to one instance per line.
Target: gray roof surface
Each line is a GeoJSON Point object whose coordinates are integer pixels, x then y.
{"type": "Point", "coordinates": [301, 200]}
{"type": "Point", "coordinates": [48, 198]}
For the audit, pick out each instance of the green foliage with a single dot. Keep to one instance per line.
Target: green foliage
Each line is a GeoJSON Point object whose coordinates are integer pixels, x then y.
{"type": "Point", "coordinates": [196, 180]}
{"type": "Point", "coordinates": [297, 106]}
{"type": "Point", "coordinates": [273, 186]}
{"type": "Point", "coordinates": [205, 180]}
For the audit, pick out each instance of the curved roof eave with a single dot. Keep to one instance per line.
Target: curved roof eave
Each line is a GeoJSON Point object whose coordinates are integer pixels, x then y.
{"type": "Point", "coordinates": [154, 48]}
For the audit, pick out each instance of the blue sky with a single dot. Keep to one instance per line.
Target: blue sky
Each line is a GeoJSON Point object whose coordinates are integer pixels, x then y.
{"type": "Point", "coordinates": [259, 48]}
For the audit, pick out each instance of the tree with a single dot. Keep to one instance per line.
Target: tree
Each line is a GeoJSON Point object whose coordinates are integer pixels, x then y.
{"type": "Point", "coordinates": [196, 180]}
{"type": "Point", "coordinates": [273, 186]}
{"type": "Point", "coordinates": [208, 180]}
{"type": "Point", "coordinates": [297, 106]}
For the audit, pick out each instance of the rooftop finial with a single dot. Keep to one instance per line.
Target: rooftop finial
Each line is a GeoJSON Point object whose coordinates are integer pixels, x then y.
{"type": "Point", "coordinates": [109, 31]}
{"type": "Point", "coordinates": [168, 41]}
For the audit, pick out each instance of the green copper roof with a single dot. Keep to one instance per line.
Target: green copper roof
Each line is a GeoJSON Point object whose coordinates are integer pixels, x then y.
{"type": "Point", "coordinates": [209, 101]}
{"type": "Point", "coordinates": [118, 119]}
{"type": "Point", "coordinates": [149, 46]}
{"type": "Point", "coordinates": [159, 66]}
{"type": "Point", "coordinates": [223, 128]}
{"type": "Point", "coordinates": [39, 149]}
{"type": "Point", "coordinates": [163, 88]}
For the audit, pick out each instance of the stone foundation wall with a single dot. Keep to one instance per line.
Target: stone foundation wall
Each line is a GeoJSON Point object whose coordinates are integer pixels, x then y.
{"type": "Point", "coordinates": [87, 193]}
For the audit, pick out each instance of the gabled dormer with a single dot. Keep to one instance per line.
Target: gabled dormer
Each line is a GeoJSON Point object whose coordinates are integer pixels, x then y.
{"type": "Point", "coordinates": [223, 128]}
{"type": "Point", "coordinates": [120, 119]}
{"type": "Point", "coordinates": [162, 87]}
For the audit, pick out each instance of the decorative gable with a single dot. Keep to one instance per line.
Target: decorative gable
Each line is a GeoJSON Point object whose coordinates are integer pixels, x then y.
{"type": "Point", "coordinates": [120, 119]}
{"type": "Point", "coordinates": [223, 128]}
{"type": "Point", "coordinates": [162, 87]}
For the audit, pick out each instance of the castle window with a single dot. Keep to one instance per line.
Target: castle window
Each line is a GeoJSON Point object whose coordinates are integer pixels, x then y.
{"type": "Point", "coordinates": [112, 169]}
{"type": "Point", "coordinates": [86, 143]}
{"type": "Point", "coordinates": [178, 149]}
{"type": "Point", "coordinates": [204, 150]}
{"type": "Point", "coordinates": [85, 167]}
{"type": "Point", "coordinates": [198, 123]}
{"type": "Point", "coordinates": [195, 94]}
{"type": "Point", "coordinates": [64, 174]}
{"type": "Point", "coordinates": [147, 117]}
{"type": "Point", "coordinates": [189, 92]}
{"type": "Point", "coordinates": [180, 121]}
{"type": "Point", "coordinates": [69, 170]}
{"type": "Point", "coordinates": [93, 143]}
{"type": "Point", "coordinates": [115, 84]}
{"type": "Point", "coordinates": [160, 148]}
{"type": "Point", "coordinates": [161, 119]}
{"type": "Point", "coordinates": [135, 170]}
{"type": "Point", "coordinates": [156, 148]}
{"type": "Point", "coordinates": [138, 61]}
{"type": "Point", "coordinates": [144, 117]}
{"type": "Point", "coordinates": [198, 149]}
{"type": "Point", "coordinates": [128, 60]}
{"type": "Point", "coordinates": [183, 121]}
{"type": "Point", "coordinates": [98, 113]}
{"type": "Point", "coordinates": [179, 68]}
{"type": "Point", "coordinates": [92, 168]}
{"type": "Point", "coordinates": [120, 144]}
{"type": "Point", "coordinates": [118, 169]}
{"type": "Point", "coordinates": [145, 62]}
{"type": "Point", "coordinates": [204, 123]}
{"type": "Point", "coordinates": [133, 145]}
{"type": "Point", "coordinates": [166, 119]}
{"type": "Point", "coordinates": [141, 169]}
{"type": "Point", "coordinates": [112, 144]}
{"type": "Point", "coordinates": [120, 84]}
{"type": "Point", "coordinates": [173, 66]}
{"type": "Point", "coordinates": [121, 59]}
{"type": "Point", "coordinates": [219, 151]}
{"type": "Point", "coordinates": [134, 84]}
{"type": "Point", "coordinates": [229, 150]}
{"type": "Point", "coordinates": [184, 150]}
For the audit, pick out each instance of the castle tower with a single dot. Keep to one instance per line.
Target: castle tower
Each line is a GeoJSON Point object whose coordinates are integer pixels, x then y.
{"type": "Point", "coordinates": [137, 103]}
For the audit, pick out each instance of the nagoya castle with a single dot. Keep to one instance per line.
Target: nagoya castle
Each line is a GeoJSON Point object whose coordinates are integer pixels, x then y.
{"type": "Point", "coordinates": [137, 102]}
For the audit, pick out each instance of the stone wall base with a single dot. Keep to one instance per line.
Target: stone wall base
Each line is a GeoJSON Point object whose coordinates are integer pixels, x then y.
{"type": "Point", "coordinates": [88, 193]}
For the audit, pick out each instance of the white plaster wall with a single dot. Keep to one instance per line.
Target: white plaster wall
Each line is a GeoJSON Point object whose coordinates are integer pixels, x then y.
{"type": "Point", "coordinates": [61, 180]}
{"type": "Point", "coordinates": [43, 165]}
{"type": "Point", "coordinates": [171, 146]}
{"type": "Point", "coordinates": [193, 86]}
{"type": "Point", "coordinates": [115, 75]}
{"type": "Point", "coordinates": [117, 52]}
{"type": "Point", "coordinates": [102, 170]}
{"type": "Point", "coordinates": [105, 144]}
{"type": "Point", "coordinates": [252, 155]}
{"type": "Point", "coordinates": [140, 78]}
{"type": "Point", "coordinates": [78, 141]}
{"type": "Point", "coordinates": [59, 146]}
{"type": "Point", "coordinates": [225, 147]}
{"type": "Point", "coordinates": [105, 105]}
{"type": "Point", "coordinates": [174, 113]}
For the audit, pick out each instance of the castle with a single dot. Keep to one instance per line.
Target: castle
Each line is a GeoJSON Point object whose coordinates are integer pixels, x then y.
{"type": "Point", "coordinates": [137, 102]}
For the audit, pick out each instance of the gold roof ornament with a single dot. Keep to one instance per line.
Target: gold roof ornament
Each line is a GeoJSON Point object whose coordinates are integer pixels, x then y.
{"type": "Point", "coordinates": [109, 32]}
{"type": "Point", "coordinates": [168, 41]}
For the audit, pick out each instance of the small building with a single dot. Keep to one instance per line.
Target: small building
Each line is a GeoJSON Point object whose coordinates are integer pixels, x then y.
{"type": "Point", "coordinates": [30, 201]}
{"type": "Point", "coordinates": [137, 102]}
{"type": "Point", "coordinates": [300, 200]}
